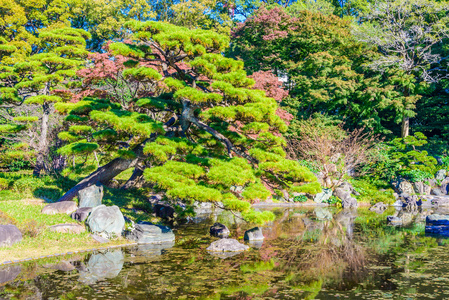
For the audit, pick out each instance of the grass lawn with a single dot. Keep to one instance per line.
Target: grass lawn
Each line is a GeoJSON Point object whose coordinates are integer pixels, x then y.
{"type": "Point", "coordinates": [37, 239]}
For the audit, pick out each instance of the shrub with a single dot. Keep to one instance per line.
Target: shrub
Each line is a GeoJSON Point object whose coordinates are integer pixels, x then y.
{"type": "Point", "coordinates": [300, 198]}
{"type": "Point", "coordinates": [370, 191]}
{"type": "Point", "coordinates": [31, 228]}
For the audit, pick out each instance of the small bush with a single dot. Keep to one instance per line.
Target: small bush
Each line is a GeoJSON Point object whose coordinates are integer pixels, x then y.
{"type": "Point", "coordinates": [300, 198]}
{"type": "Point", "coordinates": [6, 219]}
{"type": "Point", "coordinates": [332, 200]}
{"type": "Point", "coordinates": [31, 228]}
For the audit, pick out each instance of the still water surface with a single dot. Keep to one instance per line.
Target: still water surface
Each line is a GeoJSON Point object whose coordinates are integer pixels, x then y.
{"type": "Point", "coordinates": [308, 253]}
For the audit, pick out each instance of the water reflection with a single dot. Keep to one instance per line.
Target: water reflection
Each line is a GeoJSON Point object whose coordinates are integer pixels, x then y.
{"type": "Point", "coordinates": [316, 253]}
{"type": "Point", "coordinates": [102, 266]}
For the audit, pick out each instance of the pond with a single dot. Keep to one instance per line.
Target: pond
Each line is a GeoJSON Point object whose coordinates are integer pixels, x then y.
{"type": "Point", "coordinates": [308, 253]}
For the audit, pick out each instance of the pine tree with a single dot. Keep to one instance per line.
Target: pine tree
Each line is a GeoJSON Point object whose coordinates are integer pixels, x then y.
{"type": "Point", "coordinates": [35, 80]}
{"type": "Point", "coordinates": [199, 134]}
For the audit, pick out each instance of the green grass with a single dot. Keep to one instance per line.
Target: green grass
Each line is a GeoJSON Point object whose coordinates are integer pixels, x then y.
{"type": "Point", "coordinates": [38, 240]}
{"type": "Point", "coordinates": [22, 197]}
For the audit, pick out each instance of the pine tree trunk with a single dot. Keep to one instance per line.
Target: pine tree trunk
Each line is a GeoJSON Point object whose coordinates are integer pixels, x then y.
{"type": "Point", "coordinates": [135, 177]}
{"type": "Point", "coordinates": [405, 126]}
{"type": "Point", "coordinates": [42, 149]}
{"type": "Point", "coordinates": [102, 175]}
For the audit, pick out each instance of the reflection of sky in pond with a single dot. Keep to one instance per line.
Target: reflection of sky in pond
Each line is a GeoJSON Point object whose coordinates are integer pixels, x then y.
{"type": "Point", "coordinates": [315, 253]}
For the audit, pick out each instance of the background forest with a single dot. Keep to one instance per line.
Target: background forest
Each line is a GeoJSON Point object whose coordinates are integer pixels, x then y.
{"type": "Point", "coordinates": [229, 101]}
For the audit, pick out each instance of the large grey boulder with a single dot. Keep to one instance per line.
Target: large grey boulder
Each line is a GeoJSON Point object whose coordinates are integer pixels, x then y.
{"type": "Point", "coordinates": [91, 196]}
{"type": "Point", "coordinates": [421, 188]}
{"type": "Point", "coordinates": [67, 228]}
{"type": "Point", "coordinates": [349, 203]}
{"type": "Point", "coordinates": [404, 187]}
{"type": "Point", "coordinates": [9, 235]}
{"type": "Point", "coordinates": [342, 193]}
{"type": "Point", "coordinates": [436, 192]}
{"type": "Point", "coordinates": [323, 196]}
{"type": "Point", "coordinates": [102, 266]}
{"type": "Point", "coordinates": [64, 207]}
{"type": "Point", "coordinates": [254, 234]}
{"type": "Point", "coordinates": [445, 186]}
{"type": "Point", "coordinates": [146, 233]}
{"type": "Point", "coordinates": [227, 245]}
{"type": "Point", "coordinates": [81, 214]}
{"type": "Point", "coordinates": [379, 208]}
{"type": "Point", "coordinates": [219, 230]}
{"type": "Point", "coordinates": [107, 221]}
{"type": "Point", "coordinates": [440, 174]}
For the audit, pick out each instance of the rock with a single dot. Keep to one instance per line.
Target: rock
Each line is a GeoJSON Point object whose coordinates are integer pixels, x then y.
{"type": "Point", "coordinates": [9, 235]}
{"type": "Point", "coordinates": [91, 196]}
{"type": "Point", "coordinates": [440, 174]}
{"type": "Point", "coordinates": [164, 211]}
{"type": "Point", "coordinates": [64, 207]}
{"type": "Point", "coordinates": [323, 196]}
{"type": "Point", "coordinates": [445, 186]}
{"type": "Point", "coordinates": [437, 220]}
{"type": "Point", "coordinates": [68, 228]}
{"type": "Point", "coordinates": [106, 221]}
{"type": "Point", "coordinates": [99, 239]}
{"type": "Point", "coordinates": [227, 245]}
{"type": "Point", "coordinates": [421, 188]}
{"type": "Point", "coordinates": [395, 221]}
{"type": "Point", "coordinates": [398, 203]}
{"type": "Point", "coordinates": [146, 233]}
{"type": "Point", "coordinates": [254, 234]}
{"type": "Point", "coordinates": [102, 266]}
{"type": "Point", "coordinates": [219, 230]}
{"type": "Point", "coordinates": [153, 199]}
{"type": "Point", "coordinates": [342, 193]}
{"type": "Point", "coordinates": [349, 203]}
{"type": "Point", "coordinates": [436, 192]}
{"type": "Point", "coordinates": [405, 187]}
{"type": "Point", "coordinates": [81, 214]}
{"type": "Point", "coordinates": [379, 208]}
{"type": "Point", "coordinates": [411, 201]}
{"type": "Point", "coordinates": [9, 273]}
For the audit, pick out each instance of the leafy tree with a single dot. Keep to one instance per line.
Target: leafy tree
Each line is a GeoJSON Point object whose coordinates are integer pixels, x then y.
{"type": "Point", "coordinates": [408, 34]}
{"type": "Point", "coordinates": [34, 80]}
{"type": "Point", "coordinates": [333, 85]}
{"type": "Point", "coordinates": [204, 14]}
{"type": "Point", "coordinates": [273, 40]}
{"type": "Point", "coordinates": [203, 130]}
{"type": "Point", "coordinates": [408, 154]}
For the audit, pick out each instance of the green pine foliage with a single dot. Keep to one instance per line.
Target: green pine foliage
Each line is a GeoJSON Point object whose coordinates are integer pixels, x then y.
{"type": "Point", "coordinates": [201, 127]}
